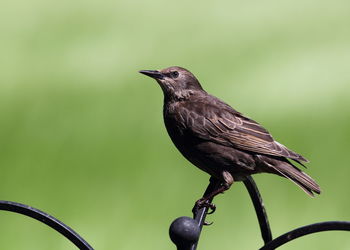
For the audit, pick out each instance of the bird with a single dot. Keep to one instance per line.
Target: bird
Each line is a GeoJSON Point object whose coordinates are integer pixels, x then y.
{"type": "Point", "coordinates": [219, 140]}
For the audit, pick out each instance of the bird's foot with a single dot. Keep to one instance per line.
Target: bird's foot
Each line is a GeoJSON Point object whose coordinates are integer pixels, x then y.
{"type": "Point", "coordinates": [203, 203]}
{"type": "Point", "coordinates": [212, 208]}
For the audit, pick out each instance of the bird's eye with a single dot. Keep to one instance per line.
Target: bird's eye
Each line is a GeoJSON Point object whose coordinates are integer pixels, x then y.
{"type": "Point", "coordinates": [174, 74]}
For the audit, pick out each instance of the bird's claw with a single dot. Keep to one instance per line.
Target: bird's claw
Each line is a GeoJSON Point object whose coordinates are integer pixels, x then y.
{"type": "Point", "coordinates": [208, 223]}
{"type": "Point", "coordinates": [212, 207]}
{"type": "Point", "coordinates": [204, 203]}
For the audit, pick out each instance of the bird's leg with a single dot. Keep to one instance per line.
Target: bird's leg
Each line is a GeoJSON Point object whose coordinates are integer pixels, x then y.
{"type": "Point", "coordinates": [206, 200]}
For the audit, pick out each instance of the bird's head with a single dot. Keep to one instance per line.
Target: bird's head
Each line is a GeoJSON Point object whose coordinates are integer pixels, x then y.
{"type": "Point", "coordinates": [176, 82]}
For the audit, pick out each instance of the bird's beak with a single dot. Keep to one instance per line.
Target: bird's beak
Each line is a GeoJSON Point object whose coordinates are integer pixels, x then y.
{"type": "Point", "coordinates": [152, 73]}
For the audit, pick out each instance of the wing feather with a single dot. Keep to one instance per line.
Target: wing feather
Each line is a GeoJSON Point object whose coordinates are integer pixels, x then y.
{"type": "Point", "coordinates": [226, 126]}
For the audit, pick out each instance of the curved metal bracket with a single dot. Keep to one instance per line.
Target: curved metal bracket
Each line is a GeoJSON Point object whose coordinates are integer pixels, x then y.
{"type": "Point", "coordinates": [305, 230]}
{"type": "Point", "coordinates": [259, 209]}
{"type": "Point", "coordinates": [47, 219]}
{"type": "Point", "coordinates": [185, 231]}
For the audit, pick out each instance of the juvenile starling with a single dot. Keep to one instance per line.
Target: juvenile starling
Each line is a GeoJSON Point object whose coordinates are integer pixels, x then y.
{"type": "Point", "coordinates": [218, 139]}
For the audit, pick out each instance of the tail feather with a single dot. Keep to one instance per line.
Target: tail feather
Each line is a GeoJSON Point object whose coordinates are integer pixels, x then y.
{"type": "Point", "coordinates": [305, 182]}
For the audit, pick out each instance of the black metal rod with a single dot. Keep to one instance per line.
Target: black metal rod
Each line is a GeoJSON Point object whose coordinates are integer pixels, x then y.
{"type": "Point", "coordinates": [49, 220]}
{"type": "Point", "coordinates": [305, 230]}
{"type": "Point", "coordinates": [200, 215]}
{"type": "Point", "coordinates": [259, 209]}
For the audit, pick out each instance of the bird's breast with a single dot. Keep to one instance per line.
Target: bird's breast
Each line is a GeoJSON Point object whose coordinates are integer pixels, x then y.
{"type": "Point", "coordinates": [176, 123]}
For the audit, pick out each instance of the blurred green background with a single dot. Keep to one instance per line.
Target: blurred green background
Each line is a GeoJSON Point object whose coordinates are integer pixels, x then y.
{"type": "Point", "coordinates": [82, 135]}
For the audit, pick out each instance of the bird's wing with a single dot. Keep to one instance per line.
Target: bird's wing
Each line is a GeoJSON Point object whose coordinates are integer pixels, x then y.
{"type": "Point", "coordinates": [224, 125]}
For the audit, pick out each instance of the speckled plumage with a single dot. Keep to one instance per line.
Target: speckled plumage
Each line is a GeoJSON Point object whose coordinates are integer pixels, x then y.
{"type": "Point", "coordinates": [218, 139]}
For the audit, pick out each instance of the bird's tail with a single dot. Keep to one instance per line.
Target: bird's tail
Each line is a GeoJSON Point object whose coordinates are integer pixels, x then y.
{"type": "Point", "coordinates": [300, 178]}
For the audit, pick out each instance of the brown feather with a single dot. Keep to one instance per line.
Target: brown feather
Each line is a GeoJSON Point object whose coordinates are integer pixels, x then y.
{"type": "Point", "coordinates": [229, 127]}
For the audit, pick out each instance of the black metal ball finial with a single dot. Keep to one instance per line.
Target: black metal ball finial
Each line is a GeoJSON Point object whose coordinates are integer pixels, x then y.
{"type": "Point", "coordinates": [184, 231]}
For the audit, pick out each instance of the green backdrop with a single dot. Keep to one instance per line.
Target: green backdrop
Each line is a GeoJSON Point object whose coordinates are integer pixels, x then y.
{"type": "Point", "coordinates": [82, 136]}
